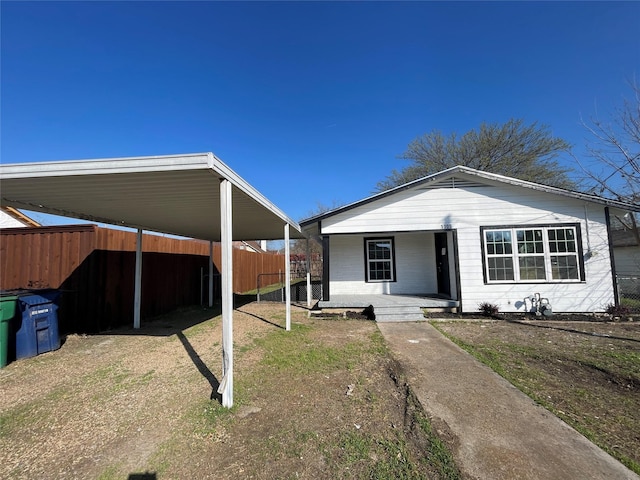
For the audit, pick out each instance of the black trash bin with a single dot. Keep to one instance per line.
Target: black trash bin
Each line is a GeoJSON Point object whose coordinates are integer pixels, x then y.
{"type": "Point", "coordinates": [37, 324]}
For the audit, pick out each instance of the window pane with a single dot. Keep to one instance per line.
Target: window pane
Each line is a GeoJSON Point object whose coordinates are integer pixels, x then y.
{"type": "Point", "coordinates": [498, 242]}
{"type": "Point", "coordinates": [379, 250]}
{"type": "Point", "coordinates": [532, 268]}
{"type": "Point", "coordinates": [530, 241]}
{"type": "Point", "coordinates": [564, 267]}
{"type": "Point", "coordinates": [500, 268]}
{"type": "Point", "coordinates": [380, 270]}
{"type": "Point", "coordinates": [562, 240]}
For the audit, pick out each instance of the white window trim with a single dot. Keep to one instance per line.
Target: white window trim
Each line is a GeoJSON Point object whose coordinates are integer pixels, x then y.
{"type": "Point", "coordinates": [368, 261]}
{"type": "Point", "coordinates": [547, 254]}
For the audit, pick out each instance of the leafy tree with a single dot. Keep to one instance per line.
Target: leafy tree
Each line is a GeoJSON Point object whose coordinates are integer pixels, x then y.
{"type": "Point", "coordinates": [514, 149]}
{"type": "Point", "coordinates": [612, 166]}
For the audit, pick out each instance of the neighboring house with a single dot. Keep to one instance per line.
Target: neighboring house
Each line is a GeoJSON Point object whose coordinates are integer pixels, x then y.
{"type": "Point", "coordinates": [626, 252]}
{"type": "Point", "coordinates": [473, 237]}
{"type": "Point", "coordinates": [250, 246]}
{"type": "Point", "coordinates": [13, 218]}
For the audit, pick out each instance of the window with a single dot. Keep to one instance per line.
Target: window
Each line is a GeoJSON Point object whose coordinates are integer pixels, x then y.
{"type": "Point", "coordinates": [532, 254]}
{"type": "Point", "coordinates": [379, 259]}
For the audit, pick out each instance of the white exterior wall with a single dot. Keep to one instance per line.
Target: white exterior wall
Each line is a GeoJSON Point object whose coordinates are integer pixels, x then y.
{"type": "Point", "coordinates": [7, 221]}
{"type": "Point", "coordinates": [466, 210]}
{"type": "Point", "coordinates": [415, 265]}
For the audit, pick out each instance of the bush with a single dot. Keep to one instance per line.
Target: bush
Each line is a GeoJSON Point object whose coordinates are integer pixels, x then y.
{"type": "Point", "coordinates": [617, 310]}
{"type": "Point", "coordinates": [488, 309]}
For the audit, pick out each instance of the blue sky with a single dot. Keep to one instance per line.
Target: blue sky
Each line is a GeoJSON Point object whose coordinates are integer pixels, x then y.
{"type": "Point", "coordinates": [310, 102]}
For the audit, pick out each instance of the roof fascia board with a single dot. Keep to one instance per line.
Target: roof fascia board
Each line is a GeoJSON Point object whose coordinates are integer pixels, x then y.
{"type": "Point", "coordinates": [105, 166]}
{"type": "Point", "coordinates": [225, 171]}
{"type": "Point", "coordinates": [549, 189]}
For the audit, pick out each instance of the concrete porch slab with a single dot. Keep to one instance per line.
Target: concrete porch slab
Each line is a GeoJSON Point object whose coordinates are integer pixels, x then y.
{"type": "Point", "coordinates": [381, 301]}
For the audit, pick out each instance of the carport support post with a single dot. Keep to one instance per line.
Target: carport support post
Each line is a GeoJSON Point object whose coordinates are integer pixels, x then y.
{"type": "Point", "coordinates": [138, 281]}
{"type": "Point", "coordinates": [226, 229]}
{"type": "Point", "coordinates": [287, 275]}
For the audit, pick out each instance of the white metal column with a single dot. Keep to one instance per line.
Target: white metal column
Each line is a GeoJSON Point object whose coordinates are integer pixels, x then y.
{"type": "Point", "coordinates": [210, 274]}
{"type": "Point", "coordinates": [226, 229]}
{"type": "Point", "coordinates": [287, 275]}
{"type": "Point", "coordinates": [137, 292]}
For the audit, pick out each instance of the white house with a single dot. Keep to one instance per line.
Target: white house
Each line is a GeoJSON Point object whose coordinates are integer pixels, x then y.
{"type": "Point", "coordinates": [13, 218]}
{"type": "Point", "coordinates": [473, 237]}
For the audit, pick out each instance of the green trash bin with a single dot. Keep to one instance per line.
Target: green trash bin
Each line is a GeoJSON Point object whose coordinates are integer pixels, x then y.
{"type": "Point", "coordinates": [7, 312]}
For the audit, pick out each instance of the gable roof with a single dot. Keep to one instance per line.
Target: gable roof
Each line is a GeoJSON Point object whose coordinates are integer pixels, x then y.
{"type": "Point", "coordinates": [20, 217]}
{"type": "Point", "coordinates": [175, 194]}
{"type": "Point", "coordinates": [466, 176]}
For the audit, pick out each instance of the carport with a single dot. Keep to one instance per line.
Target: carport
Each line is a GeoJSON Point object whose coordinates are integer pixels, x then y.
{"type": "Point", "coordinates": [192, 195]}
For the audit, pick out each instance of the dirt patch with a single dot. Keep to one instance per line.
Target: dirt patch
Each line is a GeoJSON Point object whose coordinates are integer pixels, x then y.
{"type": "Point", "coordinates": [322, 401]}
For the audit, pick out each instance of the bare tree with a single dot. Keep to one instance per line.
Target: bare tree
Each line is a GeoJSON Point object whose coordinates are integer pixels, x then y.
{"type": "Point", "coordinates": [300, 248]}
{"type": "Point", "coordinates": [612, 165]}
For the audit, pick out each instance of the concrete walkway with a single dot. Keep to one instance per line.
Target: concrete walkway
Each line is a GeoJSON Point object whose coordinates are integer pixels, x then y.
{"type": "Point", "coordinates": [501, 433]}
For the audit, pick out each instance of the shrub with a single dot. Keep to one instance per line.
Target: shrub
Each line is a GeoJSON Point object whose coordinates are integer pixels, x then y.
{"type": "Point", "coordinates": [488, 309]}
{"type": "Point", "coordinates": [617, 310]}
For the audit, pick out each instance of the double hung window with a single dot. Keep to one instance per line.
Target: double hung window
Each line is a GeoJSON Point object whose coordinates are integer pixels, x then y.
{"type": "Point", "coordinates": [532, 254]}
{"type": "Point", "coordinates": [379, 259]}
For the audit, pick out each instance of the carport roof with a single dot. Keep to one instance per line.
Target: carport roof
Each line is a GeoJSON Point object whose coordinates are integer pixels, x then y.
{"type": "Point", "coordinates": [174, 194]}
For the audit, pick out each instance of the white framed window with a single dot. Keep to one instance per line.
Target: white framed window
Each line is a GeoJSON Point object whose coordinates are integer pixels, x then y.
{"type": "Point", "coordinates": [379, 260]}
{"type": "Point", "coordinates": [532, 254]}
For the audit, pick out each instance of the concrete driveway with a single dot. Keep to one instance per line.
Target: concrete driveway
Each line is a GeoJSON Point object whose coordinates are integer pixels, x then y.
{"type": "Point", "coordinates": [501, 433]}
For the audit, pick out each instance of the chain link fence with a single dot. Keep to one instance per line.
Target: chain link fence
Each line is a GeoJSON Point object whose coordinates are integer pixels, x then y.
{"type": "Point", "coordinates": [629, 292]}
{"type": "Point", "coordinates": [270, 288]}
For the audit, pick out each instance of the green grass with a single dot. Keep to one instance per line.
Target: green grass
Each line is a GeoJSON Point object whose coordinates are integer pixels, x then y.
{"type": "Point", "coordinates": [274, 286]}
{"type": "Point", "coordinates": [524, 367]}
{"type": "Point", "coordinates": [384, 458]}
{"type": "Point", "coordinates": [352, 453]}
{"type": "Point", "coordinates": [294, 351]}
{"type": "Point", "coordinates": [631, 303]}
{"type": "Point", "coordinates": [439, 454]}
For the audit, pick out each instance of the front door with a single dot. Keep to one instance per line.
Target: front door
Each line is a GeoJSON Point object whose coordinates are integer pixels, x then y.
{"type": "Point", "coordinates": [442, 264]}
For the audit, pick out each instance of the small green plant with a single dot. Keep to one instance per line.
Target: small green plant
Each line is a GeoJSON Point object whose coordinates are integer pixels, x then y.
{"type": "Point", "coordinates": [489, 309]}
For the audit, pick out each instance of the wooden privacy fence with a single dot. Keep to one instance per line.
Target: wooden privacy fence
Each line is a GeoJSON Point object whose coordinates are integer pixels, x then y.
{"type": "Point", "coordinates": [94, 268]}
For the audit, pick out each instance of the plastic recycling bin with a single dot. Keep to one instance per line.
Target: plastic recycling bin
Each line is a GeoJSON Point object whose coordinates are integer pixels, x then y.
{"type": "Point", "coordinates": [7, 312]}
{"type": "Point", "coordinates": [37, 328]}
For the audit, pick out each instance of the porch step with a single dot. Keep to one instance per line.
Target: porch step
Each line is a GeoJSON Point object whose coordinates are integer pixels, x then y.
{"type": "Point", "coordinates": [398, 313]}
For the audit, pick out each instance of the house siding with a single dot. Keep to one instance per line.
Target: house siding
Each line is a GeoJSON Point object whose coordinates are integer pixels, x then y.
{"type": "Point", "coordinates": [415, 265]}
{"type": "Point", "coordinates": [7, 221]}
{"type": "Point", "coordinates": [465, 210]}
